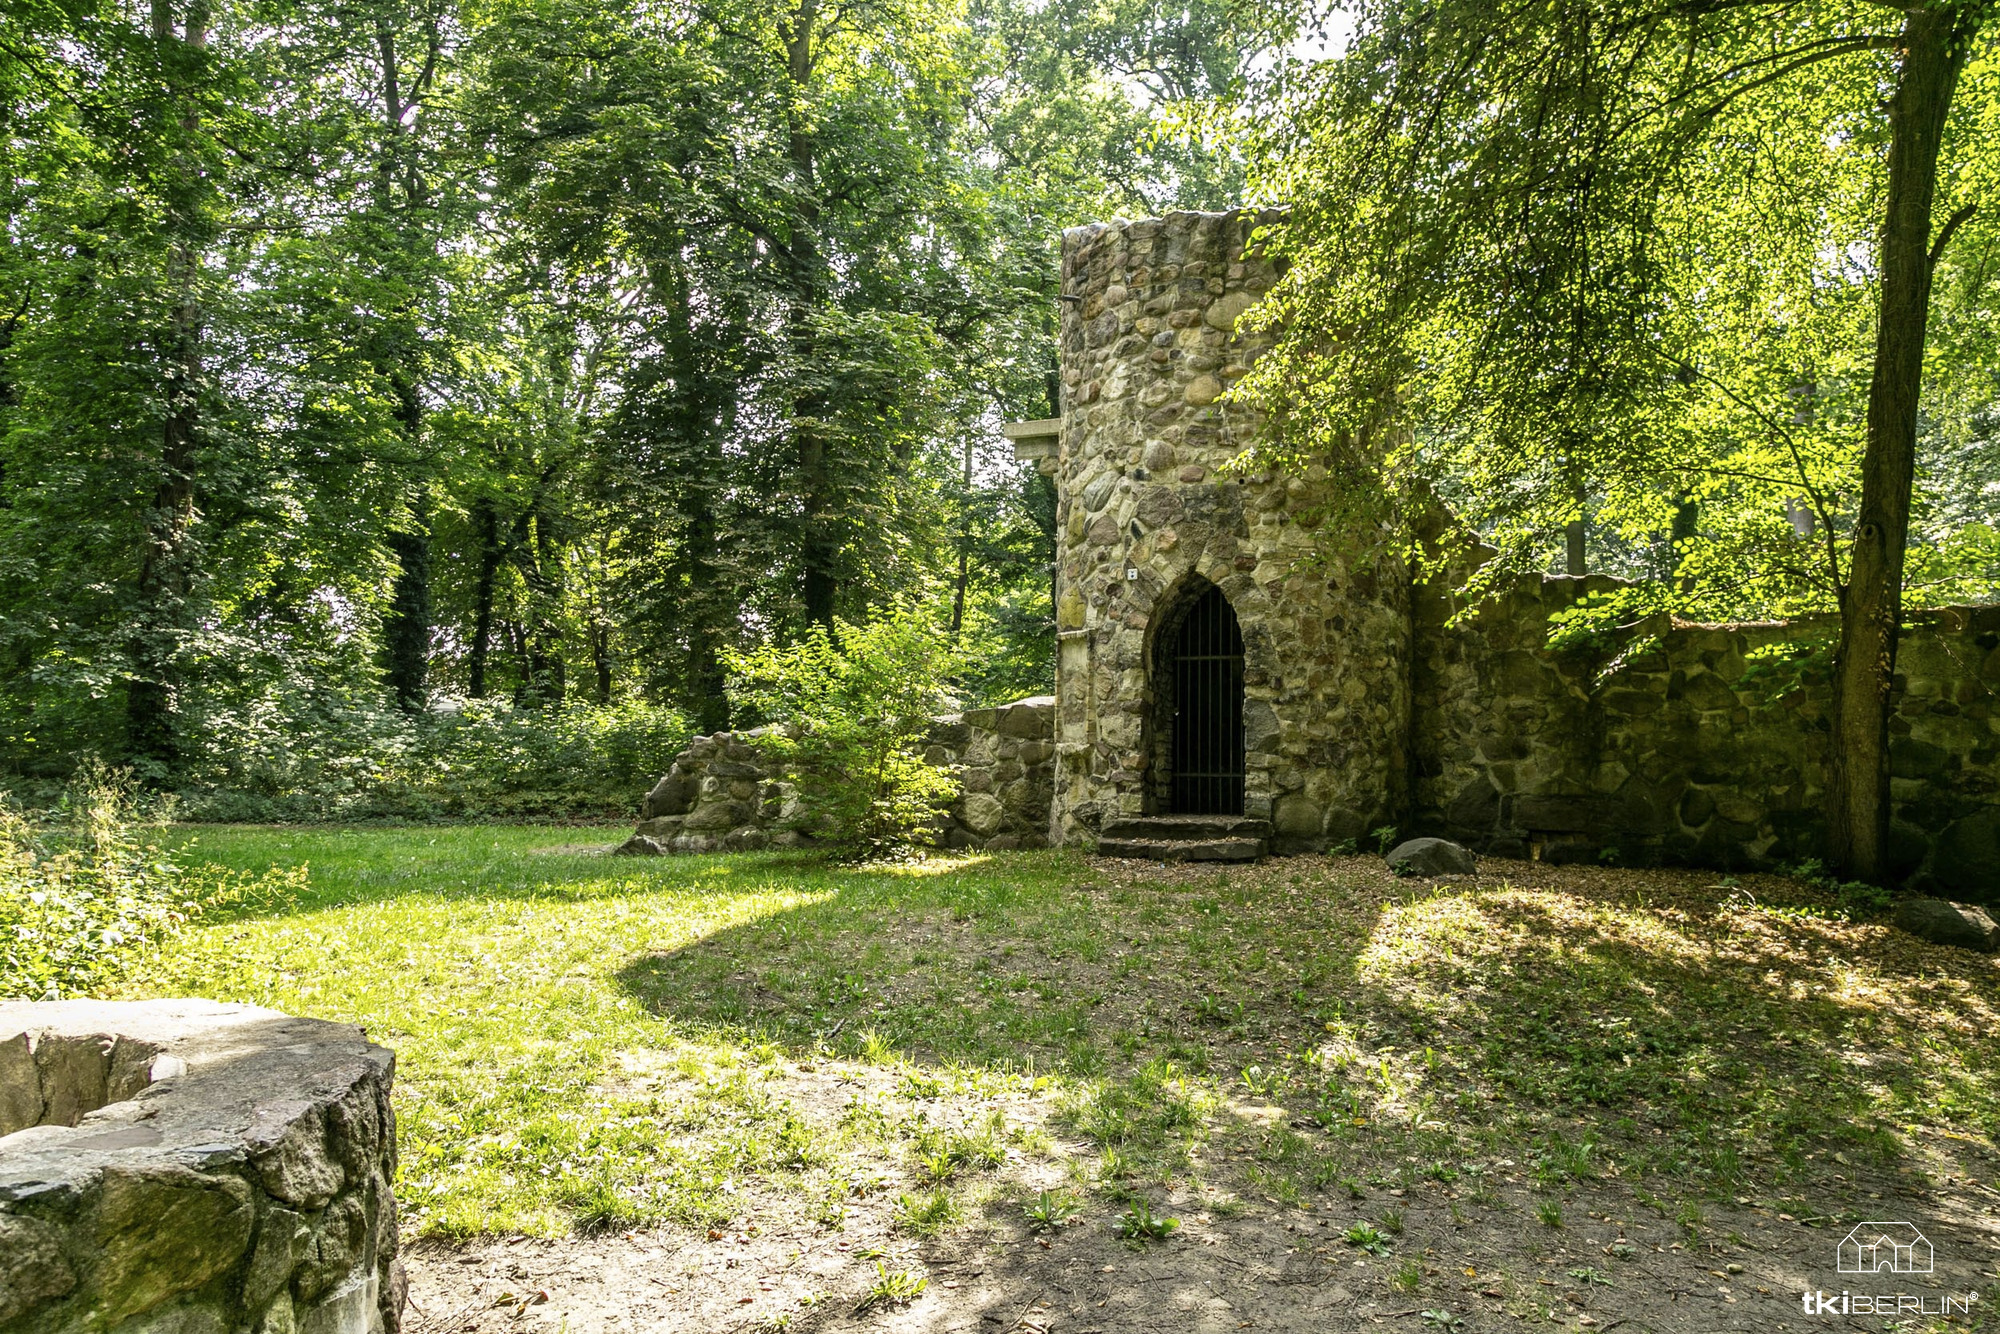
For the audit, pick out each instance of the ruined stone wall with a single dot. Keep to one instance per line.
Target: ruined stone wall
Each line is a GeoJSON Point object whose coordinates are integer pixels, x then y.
{"type": "Point", "coordinates": [190, 1167]}
{"type": "Point", "coordinates": [1147, 518]}
{"type": "Point", "coordinates": [721, 794]}
{"type": "Point", "coordinates": [1692, 743]}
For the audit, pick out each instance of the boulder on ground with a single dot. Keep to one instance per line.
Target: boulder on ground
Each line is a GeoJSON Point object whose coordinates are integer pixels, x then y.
{"type": "Point", "coordinates": [1431, 856]}
{"type": "Point", "coordinates": [639, 846]}
{"type": "Point", "coordinates": [1944, 923]}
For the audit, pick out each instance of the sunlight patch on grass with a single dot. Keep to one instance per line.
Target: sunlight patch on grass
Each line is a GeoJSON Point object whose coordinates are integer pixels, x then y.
{"type": "Point", "coordinates": [594, 1042]}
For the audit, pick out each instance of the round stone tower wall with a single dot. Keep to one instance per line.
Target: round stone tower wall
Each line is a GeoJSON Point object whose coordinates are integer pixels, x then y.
{"type": "Point", "coordinates": [1149, 513]}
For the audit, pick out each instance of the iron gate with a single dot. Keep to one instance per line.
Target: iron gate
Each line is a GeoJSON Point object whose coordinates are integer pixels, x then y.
{"type": "Point", "coordinates": [1207, 758]}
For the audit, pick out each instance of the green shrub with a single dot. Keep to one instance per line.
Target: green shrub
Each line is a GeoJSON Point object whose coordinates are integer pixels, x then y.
{"type": "Point", "coordinates": [82, 892]}
{"type": "Point", "coordinates": [851, 709]}
{"type": "Point", "coordinates": [320, 755]}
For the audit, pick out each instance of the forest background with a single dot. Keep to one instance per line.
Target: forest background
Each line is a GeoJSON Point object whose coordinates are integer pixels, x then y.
{"type": "Point", "coordinates": [406, 408]}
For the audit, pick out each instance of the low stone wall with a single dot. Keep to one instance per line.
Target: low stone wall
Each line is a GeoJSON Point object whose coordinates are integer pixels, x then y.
{"type": "Point", "coordinates": [187, 1167]}
{"type": "Point", "coordinates": [721, 796]}
{"type": "Point", "coordinates": [1706, 745]}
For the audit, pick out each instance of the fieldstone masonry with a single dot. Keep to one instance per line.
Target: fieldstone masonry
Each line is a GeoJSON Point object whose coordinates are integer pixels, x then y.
{"type": "Point", "coordinates": [1149, 518]}
{"type": "Point", "coordinates": [721, 795]}
{"type": "Point", "coordinates": [1370, 702]}
{"type": "Point", "coordinates": [188, 1167]}
{"type": "Point", "coordinates": [1702, 744]}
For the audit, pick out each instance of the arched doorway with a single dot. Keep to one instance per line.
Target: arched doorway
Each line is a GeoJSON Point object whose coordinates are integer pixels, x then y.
{"type": "Point", "coordinates": [1202, 681]}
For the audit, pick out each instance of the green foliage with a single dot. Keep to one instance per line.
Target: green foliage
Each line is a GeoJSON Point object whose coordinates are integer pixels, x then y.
{"type": "Point", "coordinates": [83, 892]}
{"type": "Point", "coordinates": [1139, 1224]}
{"type": "Point", "coordinates": [1365, 1237]}
{"type": "Point", "coordinates": [1049, 1210]}
{"type": "Point", "coordinates": [892, 1287]}
{"type": "Point", "coordinates": [926, 1213]}
{"type": "Point", "coordinates": [330, 755]}
{"type": "Point", "coordinates": [849, 711]}
{"type": "Point", "coordinates": [532, 351]}
{"type": "Point", "coordinates": [1620, 264]}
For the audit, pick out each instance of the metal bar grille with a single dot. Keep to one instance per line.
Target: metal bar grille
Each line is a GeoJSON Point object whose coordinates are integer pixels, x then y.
{"type": "Point", "coordinates": [1208, 710]}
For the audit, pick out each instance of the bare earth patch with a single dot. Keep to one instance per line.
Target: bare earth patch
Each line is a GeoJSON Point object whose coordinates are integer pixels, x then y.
{"type": "Point", "coordinates": [1492, 1266]}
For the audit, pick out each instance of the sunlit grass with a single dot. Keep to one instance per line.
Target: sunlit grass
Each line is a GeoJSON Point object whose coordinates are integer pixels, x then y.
{"type": "Point", "coordinates": [594, 1042]}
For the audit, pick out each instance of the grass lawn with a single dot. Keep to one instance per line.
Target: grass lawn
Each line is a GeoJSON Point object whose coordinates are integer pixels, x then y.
{"type": "Point", "coordinates": [724, 1042]}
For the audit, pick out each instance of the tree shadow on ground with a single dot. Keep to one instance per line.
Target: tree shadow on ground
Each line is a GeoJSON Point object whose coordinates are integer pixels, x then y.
{"type": "Point", "coordinates": [1314, 1033]}
{"type": "Point", "coordinates": [1677, 1026]}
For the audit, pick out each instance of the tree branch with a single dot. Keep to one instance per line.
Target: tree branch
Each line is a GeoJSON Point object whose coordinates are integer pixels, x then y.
{"type": "Point", "coordinates": [1951, 224]}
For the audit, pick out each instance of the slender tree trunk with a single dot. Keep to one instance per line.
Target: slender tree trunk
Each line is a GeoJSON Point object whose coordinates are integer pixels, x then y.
{"type": "Point", "coordinates": [819, 548]}
{"type": "Point", "coordinates": [166, 574]}
{"type": "Point", "coordinates": [1871, 601]}
{"type": "Point", "coordinates": [487, 523]}
{"type": "Point", "coordinates": [547, 682]}
{"type": "Point", "coordinates": [698, 566]}
{"type": "Point", "coordinates": [600, 657]}
{"type": "Point", "coordinates": [964, 543]}
{"type": "Point", "coordinates": [406, 631]}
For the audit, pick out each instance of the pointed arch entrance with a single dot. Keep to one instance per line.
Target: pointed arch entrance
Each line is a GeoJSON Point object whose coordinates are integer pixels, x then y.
{"type": "Point", "coordinates": [1198, 702]}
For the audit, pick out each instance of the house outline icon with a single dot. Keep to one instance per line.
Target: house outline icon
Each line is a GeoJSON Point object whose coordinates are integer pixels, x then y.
{"type": "Point", "coordinates": [1874, 1247]}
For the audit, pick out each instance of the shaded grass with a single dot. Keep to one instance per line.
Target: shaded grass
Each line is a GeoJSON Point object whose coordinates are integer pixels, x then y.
{"type": "Point", "coordinates": [592, 1042]}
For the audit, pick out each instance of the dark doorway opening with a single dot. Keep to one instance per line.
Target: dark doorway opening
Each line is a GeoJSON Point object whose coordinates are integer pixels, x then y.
{"type": "Point", "coordinates": [1205, 670]}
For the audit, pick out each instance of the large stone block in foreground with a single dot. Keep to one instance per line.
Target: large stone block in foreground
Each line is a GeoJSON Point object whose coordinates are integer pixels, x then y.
{"type": "Point", "coordinates": [194, 1167]}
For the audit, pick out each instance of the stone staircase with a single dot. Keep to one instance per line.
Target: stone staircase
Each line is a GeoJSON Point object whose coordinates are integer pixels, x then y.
{"type": "Point", "coordinates": [1185, 838]}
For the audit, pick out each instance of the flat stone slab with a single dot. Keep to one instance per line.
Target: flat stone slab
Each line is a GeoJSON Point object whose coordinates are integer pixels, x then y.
{"type": "Point", "coordinates": [193, 1165]}
{"type": "Point", "coordinates": [1183, 850]}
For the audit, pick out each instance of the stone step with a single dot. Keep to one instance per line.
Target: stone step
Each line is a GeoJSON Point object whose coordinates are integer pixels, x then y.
{"type": "Point", "coordinates": [1169, 827]}
{"type": "Point", "coordinates": [1183, 849]}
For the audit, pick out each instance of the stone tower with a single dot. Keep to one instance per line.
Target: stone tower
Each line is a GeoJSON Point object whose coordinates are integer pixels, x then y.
{"type": "Point", "coordinates": [1312, 651]}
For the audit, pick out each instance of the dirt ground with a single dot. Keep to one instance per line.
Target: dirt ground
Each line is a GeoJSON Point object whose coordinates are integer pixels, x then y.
{"type": "Point", "coordinates": [1490, 1248]}
{"type": "Point", "coordinates": [1614, 1263]}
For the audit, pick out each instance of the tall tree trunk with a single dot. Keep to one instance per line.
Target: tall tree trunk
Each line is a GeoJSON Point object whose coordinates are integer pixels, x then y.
{"type": "Point", "coordinates": [600, 657]}
{"type": "Point", "coordinates": [547, 681]}
{"type": "Point", "coordinates": [166, 574]}
{"type": "Point", "coordinates": [964, 542]}
{"type": "Point", "coordinates": [487, 523]}
{"type": "Point", "coordinates": [699, 425]}
{"type": "Point", "coordinates": [1871, 601]}
{"type": "Point", "coordinates": [819, 549]}
{"type": "Point", "coordinates": [406, 629]}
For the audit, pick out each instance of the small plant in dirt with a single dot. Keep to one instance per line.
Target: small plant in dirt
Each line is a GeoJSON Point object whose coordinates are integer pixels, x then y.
{"type": "Point", "coordinates": [1139, 1224]}
{"type": "Point", "coordinates": [1384, 837]}
{"type": "Point", "coordinates": [1049, 1210]}
{"type": "Point", "coordinates": [1211, 1009]}
{"type": "Point", "coordinates": [1265, 1083]}
{"type": "Point", "coordinates": [1409, 1276]}
{"type": "Point", "coordinates": [1439, 1318]}
{"type": "Point", "coordinates": [926, 1213]}
{"type": "Point", "coordinates": [1589, 1277]}
{"type": "Point", "coordinates": [851, 708]}
{"type": "Point", "coordinates": [892, 1287]}
{"type": "Point", "coordinates": [1365, 1237]}
{"type": "Point", "coordinates": [1550, 1212]}
{"type": "Point", "coordinates": [1392, 1222]}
